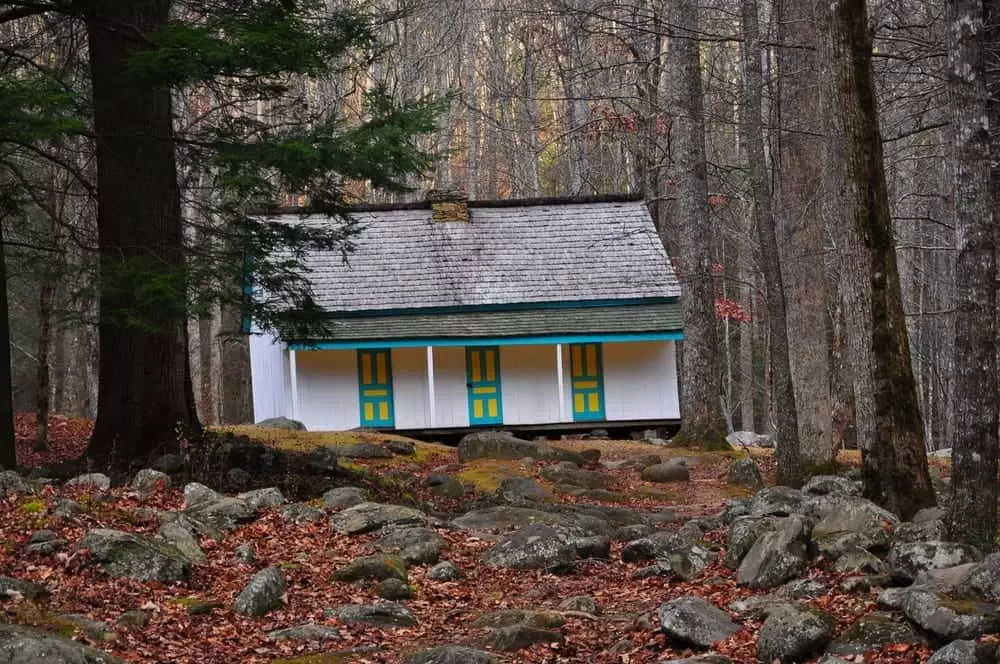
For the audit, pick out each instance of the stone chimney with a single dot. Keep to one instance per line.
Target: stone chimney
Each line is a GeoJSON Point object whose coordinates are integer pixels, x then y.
{"type": "Point", "coordinates": [448, 204]}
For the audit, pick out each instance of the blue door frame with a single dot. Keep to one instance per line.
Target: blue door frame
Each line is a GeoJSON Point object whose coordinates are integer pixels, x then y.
{"type": "Point", "coordinates": [482, 368]}
{"type": "Point", "coordinates": [375, 387]}
{"type": "Point", "coordinates": [587, 380]}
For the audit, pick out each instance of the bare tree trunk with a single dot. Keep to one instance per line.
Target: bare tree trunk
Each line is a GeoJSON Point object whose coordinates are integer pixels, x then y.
{"type": "Point", "coordinates": [972, 512]}
{"type": "Point", "coordinates": [801, 196]}
{"type": "Point", "coordinates": [701, 413]}
{"type": "Point", "coordinates": [8, 446]}
{"type": "Point", "coordinates": [894, 459]}
{"type": "Point", "coordinates": [42, 396]}
{"type": "Point", "coordinates": [785, 413]}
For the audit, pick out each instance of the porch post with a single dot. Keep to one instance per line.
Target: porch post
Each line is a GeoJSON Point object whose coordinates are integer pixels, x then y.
{"type": "Point", "coordinates": [430, 386]}
{"type": "Point", "coordinates": [561, 383]}
{"type": "Point", "coordinates": [293, 370]}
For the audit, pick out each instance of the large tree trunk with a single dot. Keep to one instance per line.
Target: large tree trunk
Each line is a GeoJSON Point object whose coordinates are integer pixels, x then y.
{"type": "Point", "coordinates": [894, 460]}
{"type": "Point", "coordinates": [145, 400]}
{"type": "Point", "coordinates": [701, 412]}
{"type": "Point", "coordinates": [785, 414]}
{"type": "Point", "coordinates": [801, 194]}
{"type": "Point", "coordinates": [972, 513]}
{"type": "Point", "coordinates": [8, 446]}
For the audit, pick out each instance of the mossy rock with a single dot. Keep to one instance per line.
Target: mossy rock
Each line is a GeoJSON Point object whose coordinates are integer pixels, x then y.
{"type": "Point", "coordinates": [485, 475]}
{"type": "Point", "coordinates": [325, 658]}
{"type": "Point", "coordinates": [378, 567]}
{"type": "Point", "coordinates": [196, 606]}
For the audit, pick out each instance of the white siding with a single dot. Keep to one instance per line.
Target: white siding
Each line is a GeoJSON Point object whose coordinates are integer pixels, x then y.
{"type": "Point", "coordinates": [451, 397]}
{"type": "Point", "coordinates": [328, 389]}
{"type": "Point", "coordinates": [268, 376]}
{"type": "Point", "coordinates": [640, 380]}
{"type": "Point", "coordinates": [529, 384]}
{"type": "Point", "coordinates": [409, 387]}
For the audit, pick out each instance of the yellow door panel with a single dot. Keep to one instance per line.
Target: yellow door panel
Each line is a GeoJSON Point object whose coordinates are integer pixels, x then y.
{"type": "Point", "coordinates": [493, 408]}
{"type": "Point", "coordinates": [578, 403]}
{"type": "Point", "coordinates": [377, 393]}
{"type": "Point", "coordinates": [585, 384]}
{"type": "Point", "coordinates": [369, 412]}
{"type": "Point", "coordinates": [594, 402]}
{"type": "Point", "coordinates": [490, 362]}
{"type": "Point", "coordinates": [383, 410]}
{"type": "Point", "coordinates": [484, 390]}
{"type": "Point", "coordinates": [380, 371]}
{"type": "Point", "coordinates": [366, 369]}
{"type": "Point", "coordinates": [477, 373]}
{"type": "Point", "coordinates": [477, 408]}
{"type": "Point", "coordinates": [591, 369]}
{"type": "Point", "coordinates": [575, 361]}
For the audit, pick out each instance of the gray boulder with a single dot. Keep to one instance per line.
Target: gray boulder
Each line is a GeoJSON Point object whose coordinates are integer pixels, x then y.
{"type": "Point", "coordinates": [824, 485]}
{"type": "Point", "coordinates": [383, 614]}
{"type": "Point", "coordinates": [416, 546]}
{"type": "Point", "coordinates": [25, 645]}
{"type": "Point", "coordinates": [671, 471]}
{"type": "Point", "coordinates": [505, 445]}
{"type": "Point", "coordinates": [533, 547]}
{"type": "Point", "coordinates": [223, 514]}
{"type": "Point", "coordinates": [685, 562]}
{"type": "Point", "coordinates": [924, 531]}
{"type": "Point", "coordinates": [11, 587]}
{"type": "Point", "coordinates": [749, 439]}
{"type": "Point", "coordinates": [301, 513]}
{"type": "Point", "coordinates": [907, 560]}
{"type": "Point", "coordinates": [776, 556]}
{"type": "Point", "coordinates": [263, 594]}
{"type": "Point", "coordinates": [745, 472]}
{"type": "Point", "coordinates": [451, 655]}
{"type": "Point", "coordinates": [245, 553]}
{"type": "Point", "coordinates": [343, 497]}
{"type": "Point", "coordinates": [177, 535]}
{"type": "Point", "coordinates": [129, 555]}
{"type": "Point", "coordinates": [364, 450]}
{"type": "Point", "coordinates": [965, 651]}
{"type": "Point", "coordinates": [777, 501]}
{"type": "Point", "coordinates": [515, 637]}
{"type": "Point", "coordinates": [709, 658]}
{"type": "Point", "coordinates": [849, 522]}
{"type": "Point", "coordinates": [983, 581]}
{"type": "Point", "coordinates": [169, 463]}
{"type": "Point", "coordinates": [445, 571]}
{"type": "Point", "coordinates": [504, 517]}
{"type": "Point", "coordinates": [366, 517]}
{"type": "Point", "coordinates": [859, 561]}
{"type": "Point", "coordinates": [378, 567]}
{"type": "Point", "coordinates": [794, 633]}
{"type": "Point", "coordinates": [394, 589]}
{"type": "Point", "coordinates": [195, 493]}
{"type": "Point", "coordinates": [695, 622]}
{"type": "Point", "coordinates": [521, 491]}
{"type": "Point", "coordinates": [306, 632]}
{"type": "Point", "coordinates": [92, 481]}
{"type": "Point", "coordinates": [872, 632]}
{"type": "Point", "coordinates": [11, 483]}
{"type": "Point", "coordinates": [577, 477]}
{"type": "Point", "coordinates": [259, 499]}
{"type": "Point", "coordinates": [283, 423]}
{"type": "Point", "coordinates": [651, 547]}
{"type": "Point", "coordinates": [947, 620]}
{"type": "Point", "coordinates": [45, 542]}
{"type": "Point", "coordinates": [735, 508]}
{"type": "Point", "coordinates": [743, 532]}
{"type": "Point", "coordinates": [583, 603]}
{"type": "Point", "coordinates": [148, 480]}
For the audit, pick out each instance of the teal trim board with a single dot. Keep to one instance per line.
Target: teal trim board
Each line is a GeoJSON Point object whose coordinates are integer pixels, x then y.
{"type": "Point", "coordinates": [587, 381]}
{"type": "Point", "coordinates": [375, 387]}
{"type": "Point", "coordinates": [482, 373]}
{"type": "Point", "coordinates": [675, 335]}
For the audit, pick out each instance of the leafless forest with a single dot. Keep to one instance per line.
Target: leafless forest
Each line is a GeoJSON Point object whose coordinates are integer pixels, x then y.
{"type": "Point", "coordinates": [579, 97]}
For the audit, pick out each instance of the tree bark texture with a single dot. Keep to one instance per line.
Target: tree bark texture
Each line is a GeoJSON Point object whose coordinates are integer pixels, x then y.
{"type": "Point", "coordinates": [801, 197]}
{"type": "Point", "coordinates": [8, 446]}
{"type": "Point", "coordinates": [701, 412]}
{"type": "Point", "coordinates": [972, 512]}
{"type": "Point", "coordinates": [145, 400]}
{"type": "Point", "coordinates": [894, 459]}
{"type": "Point", "coordinates": [785, 398]}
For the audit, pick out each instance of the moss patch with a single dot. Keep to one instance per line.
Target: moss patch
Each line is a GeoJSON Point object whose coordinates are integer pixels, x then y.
{"type": "Point", "coordinates": [486, 474]}
{"type": "Point", "coordinates": [325, 658]}
{"type": "Point", "coordinates": [197, 606]}
{"type": "Point", "coordinates": [33, 506]}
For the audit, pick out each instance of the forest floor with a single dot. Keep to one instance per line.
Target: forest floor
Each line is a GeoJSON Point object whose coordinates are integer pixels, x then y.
{"type": "Point", "coordinates": [625, 631]}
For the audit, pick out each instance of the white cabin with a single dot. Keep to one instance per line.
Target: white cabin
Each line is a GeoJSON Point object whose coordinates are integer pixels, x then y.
{"type": "Point", "coordinates": [483, 314]}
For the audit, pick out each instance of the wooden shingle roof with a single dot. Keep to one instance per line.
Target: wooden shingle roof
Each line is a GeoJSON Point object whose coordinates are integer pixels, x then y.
{"type": "Point", "coordinates": [508, 253]}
